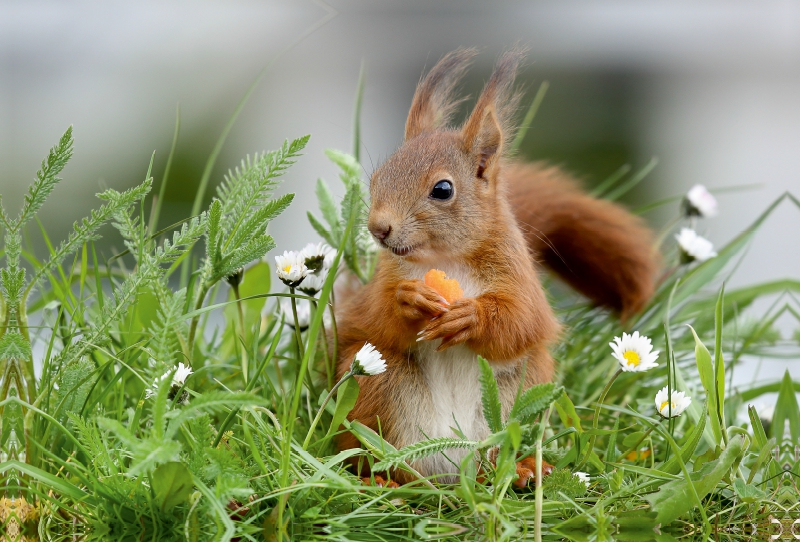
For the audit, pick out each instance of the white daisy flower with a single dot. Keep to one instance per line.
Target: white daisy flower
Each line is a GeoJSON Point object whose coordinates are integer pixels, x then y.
{"type": "Point", "coordinates": [679, 402]}
{"type": "Point", "coordinates": [583, 477]}
{"type": "Point", "coordinates": [328, 261]}
{"type": "Point", "coordinates": [312, 284]}
{"type": "Point", "coordinates": [314, 256]}
{"type": "Point", "coordinates": [693, 247]}
{"type": "Point", "coordinates": [634, 352]}
{"type": "Point", "coordinates": [303, 312]}
{"type": "Point", "coordinates": [291, 268]}
{"type": "Point", "coordinates": [368, 361]}
{"type": "Point", "coordinates": [700, 202]}
{"type": "Point", "coordinates": [183, 372]}
{"type": "Point", "coordinates": [179, 377]}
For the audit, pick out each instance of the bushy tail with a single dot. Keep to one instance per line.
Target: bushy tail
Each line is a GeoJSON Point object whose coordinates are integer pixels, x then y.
{"type": "Point", "coordinates": [596, 246]}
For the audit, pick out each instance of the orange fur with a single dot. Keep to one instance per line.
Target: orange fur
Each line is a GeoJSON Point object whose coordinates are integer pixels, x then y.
{"type": "Point", "coordinates": [431, 381]}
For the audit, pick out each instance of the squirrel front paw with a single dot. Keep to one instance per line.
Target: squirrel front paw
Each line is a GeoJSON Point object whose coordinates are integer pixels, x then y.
{"type": "Point", "coordinates": [417, 301]}
{"type": "Point", "coordinates": [454, 327]}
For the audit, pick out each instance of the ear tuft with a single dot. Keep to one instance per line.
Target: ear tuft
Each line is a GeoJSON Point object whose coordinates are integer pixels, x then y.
{"type": "Point", "coordinates": [491, 121]}
{"type": "Point", "coordinates": [433, 103]}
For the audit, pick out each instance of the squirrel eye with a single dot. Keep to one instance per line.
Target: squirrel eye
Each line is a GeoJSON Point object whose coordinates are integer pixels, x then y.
{"type": "Point", "coordinates": [442, 190]}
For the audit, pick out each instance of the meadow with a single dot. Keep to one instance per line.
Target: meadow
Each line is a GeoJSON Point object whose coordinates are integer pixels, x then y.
{"type": "Point", "coordinates": [172, 392]}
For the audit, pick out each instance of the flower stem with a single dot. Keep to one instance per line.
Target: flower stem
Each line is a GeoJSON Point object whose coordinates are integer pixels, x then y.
{"type": "Point", "coordinates": [344, 378]}
{"type": "Point", "coordinates": [297, 335]}
{"type": "Point", "coordinates": [596, 418]}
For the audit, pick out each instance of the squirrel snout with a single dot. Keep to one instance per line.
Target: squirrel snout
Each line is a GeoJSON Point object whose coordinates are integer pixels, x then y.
{"type": "Point", "coordinates": [380, 231]}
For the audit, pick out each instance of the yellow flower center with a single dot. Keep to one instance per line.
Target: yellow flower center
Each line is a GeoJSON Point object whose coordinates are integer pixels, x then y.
{"type": "Point", "coordinates": [664, 405]}
{"type": "Point", "coordinates": [632, 358]}
{"type": "Point", "coordinates": [287, 268]}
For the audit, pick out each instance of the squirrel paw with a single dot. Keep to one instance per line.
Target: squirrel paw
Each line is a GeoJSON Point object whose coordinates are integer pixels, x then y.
{"type": "Point", "coordinates": [455, 326]}
{"type": "Point", "coordinates": [417, 301]}
{"type": "Point", "coordinates": [526, 470]}
{"type": "Point", "coordinates": [380, 482]}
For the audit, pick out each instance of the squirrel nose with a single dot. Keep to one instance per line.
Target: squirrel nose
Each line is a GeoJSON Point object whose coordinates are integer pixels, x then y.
{"type": "Point", "coordinates": [381, 232]}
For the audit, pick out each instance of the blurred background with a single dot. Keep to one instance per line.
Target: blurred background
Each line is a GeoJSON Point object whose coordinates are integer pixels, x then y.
{"type": "Point", "coordinates": [710, 88]}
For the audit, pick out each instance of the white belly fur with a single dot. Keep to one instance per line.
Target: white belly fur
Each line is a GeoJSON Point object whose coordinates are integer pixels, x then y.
{"type": "Point", "coordinates": [453, 379]}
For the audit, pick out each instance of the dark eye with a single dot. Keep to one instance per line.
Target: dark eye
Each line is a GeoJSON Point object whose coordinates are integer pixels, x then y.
{"type": "Point", "coordinates": [442, 190]}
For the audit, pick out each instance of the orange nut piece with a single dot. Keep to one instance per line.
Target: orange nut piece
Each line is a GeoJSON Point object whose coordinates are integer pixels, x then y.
{"type": "Point", "coordinates": [447, 288]}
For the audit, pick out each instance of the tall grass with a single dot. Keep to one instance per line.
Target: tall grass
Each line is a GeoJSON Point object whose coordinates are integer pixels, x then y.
{"type": "Point", "coordinates": [101, 439]}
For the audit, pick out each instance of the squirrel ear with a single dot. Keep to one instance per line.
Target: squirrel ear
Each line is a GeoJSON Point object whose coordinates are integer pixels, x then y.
{"type": "Point", "coordinates": [483, 137]}
{"type": "Point", "coordinates": [433, 103]}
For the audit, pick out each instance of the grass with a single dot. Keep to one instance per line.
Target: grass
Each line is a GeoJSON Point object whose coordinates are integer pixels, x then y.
{"type": "Point", "coordinates": [96, 444]}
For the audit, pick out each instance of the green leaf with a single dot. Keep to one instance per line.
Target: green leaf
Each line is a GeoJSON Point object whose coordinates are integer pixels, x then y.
{"type": "Point", "coordinates": [675, 498]}
{"type": "Point", "coordinates": [567, 413]}
{"type": "Point", "coordinates": [786, 408]}
{"type": "Point", "coordinates": [534, 401]}
{"type": "Point", "coordinates": [719, 363]}
{"type": "Point", "coordinates": [419, 450]}
{"type": "Point", "coordinates": [214, 218]}
{"type": "Point", "coordinates": [327, 205]}
{"type": "Point", "coordinates": [672, 465]}
{"type": "Point", "coordinates": [371, 440]}
{"type": "Point", "coordinates": [705, 370]}
{"type": "Point", "coordinates": [46, 178]}
{"type": "Point", "coordinates": [345, 401]}
{"type": "Point", "coordinates": [747, 492]}
{"type": "Point", "coordinates": [172, 485]}
{"type": "Point", "coordinates": [320, 229]}
{"type": "Point", "coordinates": [490, 397]}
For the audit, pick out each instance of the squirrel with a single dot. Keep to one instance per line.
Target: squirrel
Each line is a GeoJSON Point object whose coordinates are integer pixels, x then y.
{"type": "Point", "coordinates": [449, 199]}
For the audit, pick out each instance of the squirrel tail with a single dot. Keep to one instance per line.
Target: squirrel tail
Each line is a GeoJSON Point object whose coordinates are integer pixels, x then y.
{"type": "Point", "coordinates": [596, 246]}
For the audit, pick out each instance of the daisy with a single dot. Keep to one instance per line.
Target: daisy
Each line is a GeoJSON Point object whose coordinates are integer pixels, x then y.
{"type": "Point", "coordinates": [634, 352]}
{"type": "Point", "coordinates": [178, 380]}
{"type": "Point", "coordinates": [583, 477]}
{"type": "Point", "coordinates": [368, 361]}
{"type": "Point", "coordinates": [314, 256]}
{"type": "Point", "coordinates": [700, 202]}
{"type": "Point", "coordinates": [312, 284]}
{"type": "Point", "coordinates": [679, 403]}
{"type": "Point", "coordinates": [303, 312]}
{"type": "Point", "coordinates": [329, 257]}
{"type": "Point", "coordinates": [291, 268]}
{"type": "Point", "coordinates": [694, 247]}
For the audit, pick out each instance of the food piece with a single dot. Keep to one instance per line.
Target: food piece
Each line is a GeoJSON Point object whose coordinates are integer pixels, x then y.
{"type": "Point", "coordinates": [447, 288]}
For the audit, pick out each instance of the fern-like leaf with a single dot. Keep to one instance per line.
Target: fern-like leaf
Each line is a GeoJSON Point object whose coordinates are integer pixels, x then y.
{"type": "Point", "coordinates": [534, 401]}
{"type": "Point", "coordinates": [490, 397]}
{"type": "Point", "coordinates": [418, 450]}
{"type": "Point", "coordinates": [46, 178]}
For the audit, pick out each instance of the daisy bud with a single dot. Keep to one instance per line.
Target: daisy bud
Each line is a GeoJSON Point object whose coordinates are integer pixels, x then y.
{"type": "Point", "coordinates": [693, 247]}
{"type": "Point", "coordinates": [700, 202]}
{"type": "Point", "coordinates": [291, 268]}
{"type": "Point", "coordinates": [634, 352]}
{"type": "Point", "coordinates": [678, 401]}
{"type": "Point", "coordinates": [236, 278]}
{"type": "Point", "coordinates": [368, 362]}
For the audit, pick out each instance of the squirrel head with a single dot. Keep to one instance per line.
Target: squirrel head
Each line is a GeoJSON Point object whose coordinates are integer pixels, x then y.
{"type": "Point", "coordinates": [437, 195]}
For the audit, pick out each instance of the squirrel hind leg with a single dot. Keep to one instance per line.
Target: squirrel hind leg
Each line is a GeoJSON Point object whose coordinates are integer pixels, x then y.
{"type": "Point", "coordinates": [596, 246]}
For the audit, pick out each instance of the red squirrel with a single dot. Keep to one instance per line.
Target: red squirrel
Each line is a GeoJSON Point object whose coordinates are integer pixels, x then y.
{"type": "Point", "coordinates": [449, 199]}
